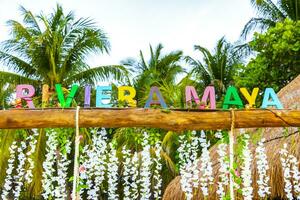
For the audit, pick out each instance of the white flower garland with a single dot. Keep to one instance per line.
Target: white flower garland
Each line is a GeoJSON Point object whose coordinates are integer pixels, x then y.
{"type": "Point", "coordinates": [262, 168]}
{"type": "Point", "coordinates": [48, 177]}
{"type": "Point", "coordinates": [32, 144]}
{"type": "Point", "coordinates": [101, 159]}
{"type": "Point", "coordinates": [247, 189]}
{"type": "Point", "coordinates": [9, 177]}
{"type": "Point", "coordinates": [112, 173]}
{"type": "Point", "coordinates": [295, 175]}
{"type": "Point", "coordinates": [185, 180]}
{"type": "Point", "coordinates": [183, 152]}
{"type": "Point", "coordinates": [145, 170]}
{"type": "Point", "coordinates": [95, 164]}
{"type": "Point", "coordinates": [128, 173]}
{"type": "Point", "coordinates": [188, 164]}
{"type": "Point", "coordinates": [206, 165]}
{"type": "Point", "coordinates": [20, 171]}
{"type": "Point", "coordinates": [224, 170]}
{"type": "Point", "coordinates": [157, 172]}
{"type": "Point", "coordinates": [291, 174]}
{"type": "Point", "coordinates": [194, 159]}
{"type": "Point", "coordinates": [62, 173]}
{"type": "Point", "coordinates": [286, 172]}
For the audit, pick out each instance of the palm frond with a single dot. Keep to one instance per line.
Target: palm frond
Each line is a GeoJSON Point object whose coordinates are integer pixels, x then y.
{"type": "Point", "coordinates": [17, 64]}
{"type": "Point", "coordinates": [101, 73]}
{"type": "Point", "coordinates": [88, 41]}
{"type": "Point", "coordinates": [143, 65]}
{"type": "Point", "coordinates": [30, 19]}
{"type": "Point", "coordinates": [12, 78]}
{"type": "Point", "coordinates": [18, 30]}
{"type": "Point", "coordinates": [260, 23]}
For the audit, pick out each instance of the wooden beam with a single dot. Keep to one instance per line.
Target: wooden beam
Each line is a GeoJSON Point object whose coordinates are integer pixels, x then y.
{"type": "Point", "coordinates": [176, 120]}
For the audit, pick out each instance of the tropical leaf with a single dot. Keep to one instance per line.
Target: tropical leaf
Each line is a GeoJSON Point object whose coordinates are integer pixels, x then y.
{"type": "Point", "coordinates": [101, 73]}
{"type": "Point", "coordinates": [269, 13]}
{"type": "Point", "coordinates": [13, 78]}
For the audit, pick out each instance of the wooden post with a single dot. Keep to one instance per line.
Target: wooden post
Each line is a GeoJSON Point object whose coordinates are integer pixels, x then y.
{"type": "Point", "coordinates": [175, 120]}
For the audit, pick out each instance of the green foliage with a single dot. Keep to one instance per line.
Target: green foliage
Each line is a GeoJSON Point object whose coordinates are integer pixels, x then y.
{"type": "Point", "coordinates": [278, 57]}
{"type": "Point", "coordinates": [50, 49]}
{"type": "Point", "coordinates": [218, 66]}
{"type": "Point", "coordinates": [160, 70]}
{"type": "Point", "coordinates": [269, 13]}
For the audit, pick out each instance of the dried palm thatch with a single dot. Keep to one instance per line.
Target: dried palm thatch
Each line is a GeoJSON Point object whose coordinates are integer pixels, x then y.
{"type": "Point", "coordinates": [275, 138]}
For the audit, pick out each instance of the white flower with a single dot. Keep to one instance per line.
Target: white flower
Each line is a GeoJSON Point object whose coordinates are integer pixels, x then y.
{"type": "Point", "coordinates": [112, 173]}
{"type": "Point", "coordinates": [188, 164]}
{"type": "Point", "coordinates": [295, 175]}
{"type": "Point", "coordinates": [9, 178]}
{"type": "Point", "coordinates": [32, 144]}
{"type": "Point", "coordinates": [291, 174]}
{"type": "Point", "coordinates": [128, 173]}
{"type": "Point", "coordinates": [224, 169]}
{"type": "Point", "coordinates": [62, 173]}
{"type": "Point", "coordinates": [157, 179]}
{"type": "Point", "coordinates": [93, 161]}
{"type": "Point", "coordinates": [48, 177]}
{"type": "Point", "coordinates": [206, 165]}
{"type": "Point", "coordinates": [262, 168]}
{"type": "Point", "coordinates": [247, 189]}
{"type": "Point", "coordinates": [20, 171]}
{"type": "Point", "coordinates": [218, 134]}
{"type": "Point", "coordinates": [145, 170]}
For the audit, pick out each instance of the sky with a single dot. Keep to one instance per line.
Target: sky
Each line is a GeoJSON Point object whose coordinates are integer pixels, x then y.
{"type": "Point", "coordinates": [132, 25]}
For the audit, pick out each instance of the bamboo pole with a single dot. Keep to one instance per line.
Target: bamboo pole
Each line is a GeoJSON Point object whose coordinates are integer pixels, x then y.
{"type": "Point", "coordinates": [231, 156]}
{"type": "Point", "coordinates": [176, 120]}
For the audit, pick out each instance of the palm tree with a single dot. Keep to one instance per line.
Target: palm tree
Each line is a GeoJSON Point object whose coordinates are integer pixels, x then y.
{"type": "Point", "coordinates": [49, 50]}
{"type": "Point", "coordinates": [217, 67]}
{"type": "Point", "coordinates": [269, 13]}
{"type": "Point", "coordinates": [52, 49]}
{"type": "Point", "coordinates": [160, 69]}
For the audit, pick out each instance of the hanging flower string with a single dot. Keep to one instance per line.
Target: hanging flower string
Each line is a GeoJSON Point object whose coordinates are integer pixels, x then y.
{"type": "Point", "coordinates": [128, 173]}
{"type": "Point", "coordinates": [48, 177]}
{"type": "Point", "coordinates": [145, 170]}
{"type": "Point", "coordinates": [194, 160]}
{"type": "Point", "coordinates": [188, 155]}
{"type": "Point", "coordinates": [112, 173]}
{"type": "Point", "coordinates": [262, 168]}
{"type": "Point", "coordinates": [94, 167]}
{"type": "Point", "coordinates": [62, 172]}
{"type": "Point", "coordinates": [20, 171]}
{"type": "Point", "coordinates": [32, 144]}
{"type": "Point", "coordinates": [206, 165]}
{"type": "Point", "coordinates": [246, 171]}
{"type": "Point", "coordinates": [295, 175]}
{"type": "Point", "coordinates": [224, 167]}
{"type": "Point", "coordinates": [157, 171]}
{"type": "Point", "coordinates": [286, 172]}
{"type": "Point", "coordinates": [185, 167]}
{"type": "Point", "coordinates": [9, 171]}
